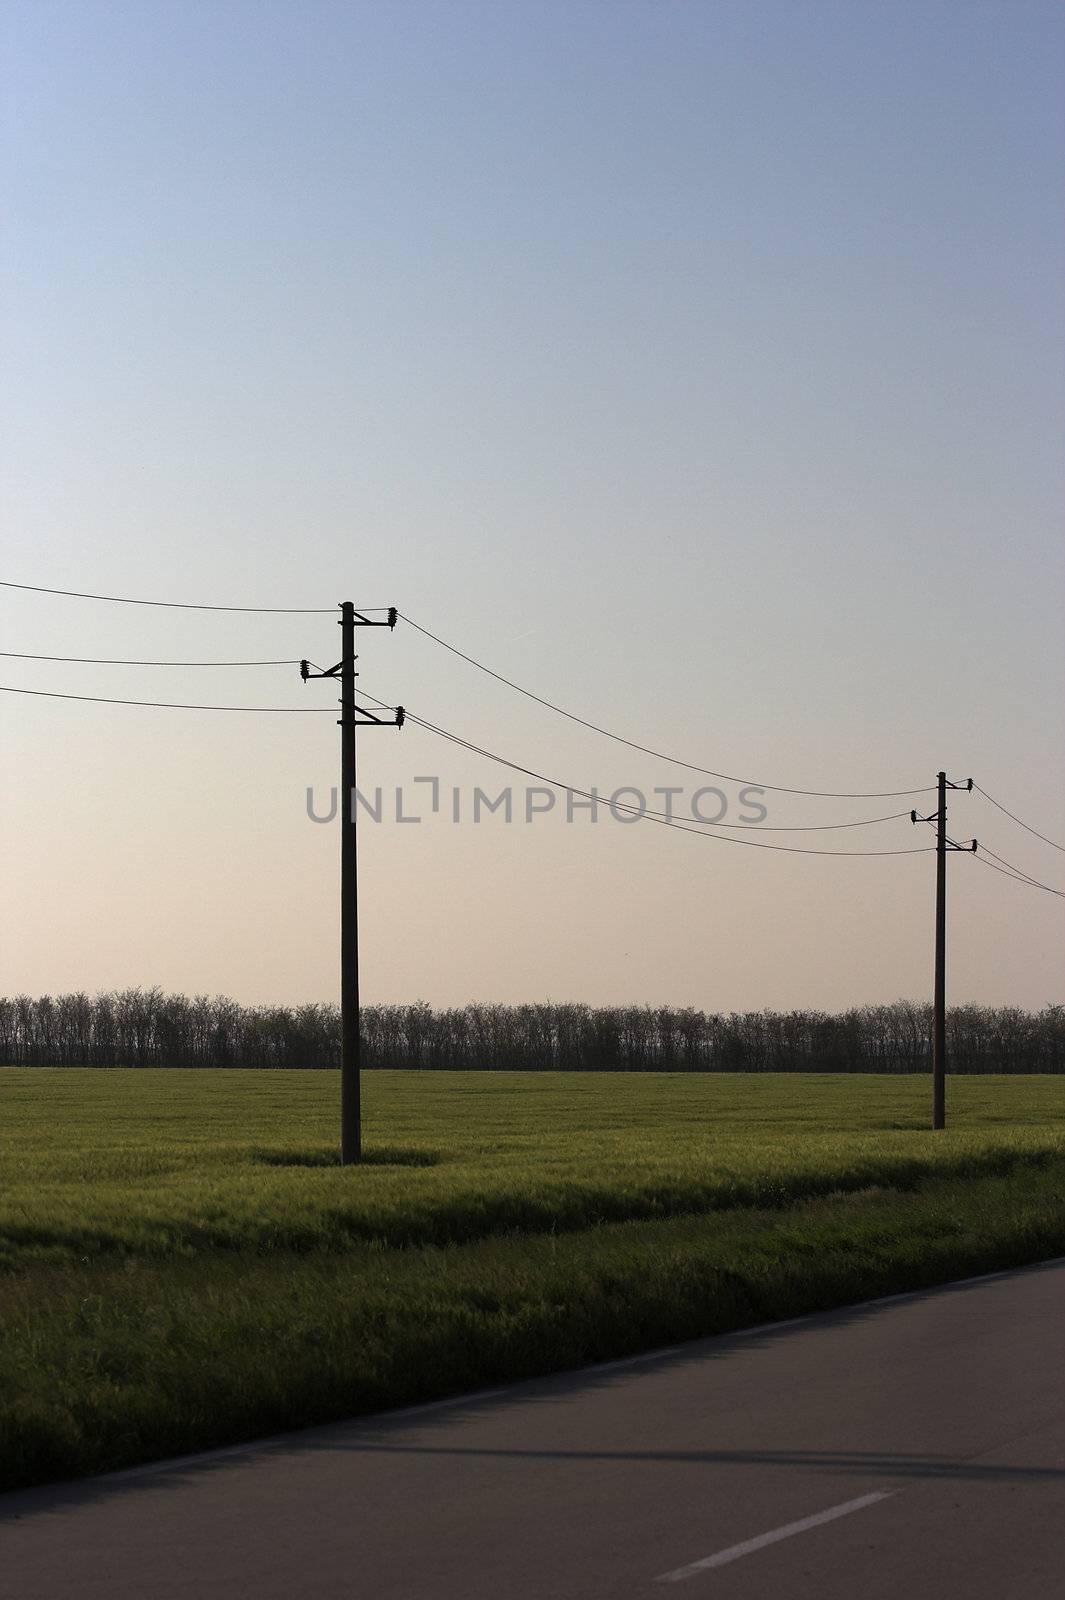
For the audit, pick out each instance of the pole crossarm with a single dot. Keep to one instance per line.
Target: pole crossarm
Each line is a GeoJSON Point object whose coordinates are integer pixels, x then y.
{"type": "Point", "coordinates": [968, 845]}
{"type": "Point", "coordinates": [368, 719]}
{"type": "Point", "coordinates": [376, 622]}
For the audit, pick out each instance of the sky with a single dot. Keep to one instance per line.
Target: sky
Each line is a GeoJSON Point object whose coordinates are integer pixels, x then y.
{"type": "Point", "coordinates": [696, 366]}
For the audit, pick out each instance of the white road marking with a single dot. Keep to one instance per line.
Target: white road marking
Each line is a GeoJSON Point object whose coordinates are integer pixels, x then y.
{"type": "Point", "coordinates": [735, 1551]}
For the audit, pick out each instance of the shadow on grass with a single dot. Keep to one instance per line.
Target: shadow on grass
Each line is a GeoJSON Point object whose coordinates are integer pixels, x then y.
{"type": "Point", "coordinates": [385, 1155]}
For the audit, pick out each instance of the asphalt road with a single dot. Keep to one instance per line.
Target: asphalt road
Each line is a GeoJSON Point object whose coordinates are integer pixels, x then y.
{"type": "Point", "coordinates": [912, 1447]}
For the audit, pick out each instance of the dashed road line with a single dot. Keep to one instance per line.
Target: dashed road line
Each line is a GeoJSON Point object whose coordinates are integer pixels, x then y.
{"type": "Point", "coordinates": [735, 1551]}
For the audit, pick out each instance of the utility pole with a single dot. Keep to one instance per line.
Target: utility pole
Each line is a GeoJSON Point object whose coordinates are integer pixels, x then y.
{"type": "Point", "coordinates": [939, 999]}
{"type": "Point", "coordinates": [351, 717]}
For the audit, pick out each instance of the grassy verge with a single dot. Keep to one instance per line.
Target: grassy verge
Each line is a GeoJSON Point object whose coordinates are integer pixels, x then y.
{"type": "Point", "coordinates": [180, 1275]}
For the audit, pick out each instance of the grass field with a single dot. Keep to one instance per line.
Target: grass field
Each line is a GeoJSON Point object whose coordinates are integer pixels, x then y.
{"type": "Point", "coordinates": [183, 1262]}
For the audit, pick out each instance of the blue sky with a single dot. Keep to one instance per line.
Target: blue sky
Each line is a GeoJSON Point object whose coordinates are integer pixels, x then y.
{"type": "Point", "coordinates": [697, 365]}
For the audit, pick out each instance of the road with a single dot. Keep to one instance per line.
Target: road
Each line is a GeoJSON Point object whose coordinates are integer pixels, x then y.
{"type": "Point", "coordinates": [911, 1447]}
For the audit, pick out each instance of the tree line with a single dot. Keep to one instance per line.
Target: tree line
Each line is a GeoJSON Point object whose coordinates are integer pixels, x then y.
{"type": "Point", "coordinates": [147, 1028]}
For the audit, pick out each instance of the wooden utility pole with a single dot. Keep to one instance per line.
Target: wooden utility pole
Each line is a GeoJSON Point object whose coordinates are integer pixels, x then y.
{"type": "Point", "coordinates": [939, 994]}
{"type": "Point", "coordinates": [939, 997]}
{"type": "Point", "coordinates": [351, 717]}
{"type": "Point", "coordinates": [350, 1021]}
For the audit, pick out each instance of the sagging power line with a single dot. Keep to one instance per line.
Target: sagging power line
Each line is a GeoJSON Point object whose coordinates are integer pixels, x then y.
{"type": "Point", "coordinates": [176, 605]}
{"type": "Point", "coordinates": [697, 823]}
{"type": "Point", "coordinates": [122, 661]}
{"type": "Point", "coordinates": [701, 829]}
{"type": "Point", "coordinates": [162, 705]}
{"type": "Point", "coordinates": [754, 783]}
{"type": "Point", "coordinates": [1008, 870]}
{"type": "Point", "coordinates": [1014, 818]}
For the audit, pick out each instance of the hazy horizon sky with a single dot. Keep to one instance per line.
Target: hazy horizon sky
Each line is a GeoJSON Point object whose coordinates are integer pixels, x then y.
{"type": "Point", "coordinates": [698, 366]}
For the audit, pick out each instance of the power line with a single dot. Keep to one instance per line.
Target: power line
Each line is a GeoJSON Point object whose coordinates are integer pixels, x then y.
{"type": "Point", "coordinates": [997, 804]}
{"type": "Point", "coordinates": [823, 794]}
{"type": "Point", "coordinates": [112, 661]}
{"type": "Point", "coordinates": [1018, 877]}
{"type": "Point", "coordinates": [649, 811]}
{"type": "Point", "coordinates": [179, 605]}
{"type": "Point", "coordinates": [171, 705]}
{"type": "Point", "coordinates": [167, 705]}
{"type": "Point", "coordinates": [641, 812]}
{"type": "Point", "coordinates": [1018, 872]}
{"type": "Point", "coordinates": [772, 827]}
{"type": "Point", "coordinates": [650, 816]}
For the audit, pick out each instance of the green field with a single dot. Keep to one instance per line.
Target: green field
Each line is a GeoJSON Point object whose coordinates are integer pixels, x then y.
{"type": "Point", "coordinates": [183, 1262]}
